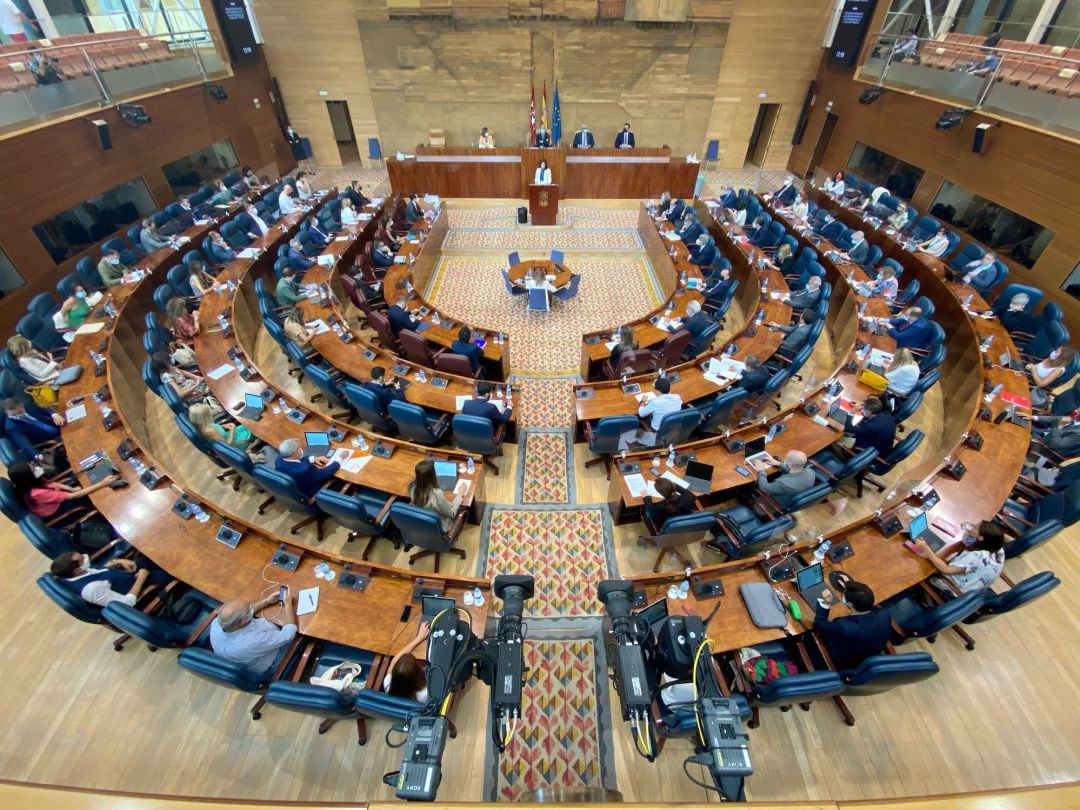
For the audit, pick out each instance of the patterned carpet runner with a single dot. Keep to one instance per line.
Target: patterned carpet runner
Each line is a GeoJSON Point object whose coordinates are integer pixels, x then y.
{"type": "Point", "coordinates": [545, 403]}
{"type": "Point", "coordinates": [557, 744]}
{"type": "Point", "coordinates": [544, 477]}
{"type": "Point", "coordinates": [563, 550]}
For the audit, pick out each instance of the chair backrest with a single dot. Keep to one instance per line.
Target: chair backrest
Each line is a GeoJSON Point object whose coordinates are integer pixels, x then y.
{"type": "Point", "coordinates": [908, 293]}
{"type": "Point", "coordinates": [1052, 336]}
{"type": "Point", "coordinates": [538, 300]}
{"type": "Point", "coordinates": [163, 294]}
{"type": "Point", "coordinates": [43, 305]}
{"type": "Point", "coordinates": [924, 228]}
{"type": "Point", "coordinates": [284, 490]}
{"type": "Point", "coordinates": [180, 280]}
{"type": "Point", "coordinates": [9, 504]}
{"type": "Point", "coordinates": [880, 673]}
{"type": "Point", "coordinates": [86, 268]}
{"type": "Point", "coordinates": [49, 541]}
{"type": "Point", "coordinates": [356, 513]}
{"type": "Point", "coordinates": [474, 434]}
{"type": "Point", "coordinates": [571, 289]}
{"type": "Point", "coordinates": [191, 433]}
{"type": "Point", "coordinates": [66, 285]}
{"type": "Point", "coordinates": [855, 464]}
{"type": "Point", "coordinates": [926, 305]}
{"type": "Point", "coordinates": [557, 256]}
{"type": "Point", "coordinates": [237, 459]}
{"type": "Point", "coordinates": [412, 421]}
{"type": "Point", "coordinates": [873, 256]}
{"type": "Point", "coordinates": [416, 348]}
{"type": "Point", "coordinates": [799, 687]}
{"type": "Point", "coordinates": [204, 664]}
{"type": "Point", "coordinates": [325, 383]}
{"type": "Point", "coordinates": [970, 253]}
{"type": "Point", "coordinates": [809, 497]}
{"type": "Point", "coordinates": [717, 412]}
{"type": "Point", "coordinates": [310, 699]}
{"type": "Point", "coordinates": [637, 361]}
{"type": "Point", "coordinates": [72, 603]}
{"type": "Point", "coordinates": [381, 324]}
{"type": "Point", "coordinates": [367, 405]}
{"type": "Point", "coordinates": [933, 620]}
{"type": "Point", "coordinates": [904, 448]}
{"type": "Point", "coordinates": [153, 630]}
{"type": "Point", "coordinates": [1051, 311]}
{"type": "Point", "coordinates": [676, 428]}
{"type": "Point", "coordinates": [421, 526]}
{"type": "Point", "coordinates": [608, 429]}
{"type": "Point", "coordinates": [513, 258]}
{"type": "Point", "coordinates": [671, 350]}
{"type": "Point", "coordinates": [694, 522]}
{"type": "Point", "coordinates": [909, 406]}
{"type": "Point", "coordinates": [1018, 595]}
{"type": "Point", "coordinates": [454, 364]}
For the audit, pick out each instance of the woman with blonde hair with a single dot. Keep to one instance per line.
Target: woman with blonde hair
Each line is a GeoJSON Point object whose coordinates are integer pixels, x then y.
{"type": "Point", "coordinates": [201, 416]}
{"type": "Point", "coordinates": [903, 373]}
{"type": "Point", "coordinates": [201, 282]}
{"type": "Point", "coordinates": [296, 328]}
{"type": "Point", "coordinates": [348, 214]}
{"type": "Point", "coordinates": [39, 365]}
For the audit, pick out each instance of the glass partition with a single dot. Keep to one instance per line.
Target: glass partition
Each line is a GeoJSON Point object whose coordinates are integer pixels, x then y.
{"type": "Point", "coordinates": [82, 225]}
{"type": "Point", "coordinates": [191, 171]}
{"type": "Point", "coordinates": [1007, 232]}
{"type": "Point", "coordinates": [10, 277]}
{"type": "Point", "coordinates": [883, 169]}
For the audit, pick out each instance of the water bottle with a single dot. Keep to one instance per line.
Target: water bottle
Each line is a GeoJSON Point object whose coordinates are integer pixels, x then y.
{"type": "Point", "coordinates": [408, 287]}
{"type": "Point", "coordinates": [670, 308]}
{"type": "Point", "coordinates": [435, 318]}
{"type": "Point", "coordinates": [986, 342]}
{"type": "Point", "coordinates": [624, 379]}
{"type": "Point", "coordinates": [760, 319]}
{"type": "Point", "coordinates": [967, 301]}
{"type": "Point", "coordinates": [421, 376]}
{"type": "Point", "coordinates": [994, 393]}
{"type": "Point", "coordinates": [671, 455]}
{"type": "Point", "coordinates": [198, 513]}
{"type": "Point", "coordinates": [470, 466]}
{"type": "Point", "coordinates": [363, 442]}
{"type": "Point", "coordinates": [282, 404]}
{"type": "Point", "coordinates": [478, 596]}
{"type": "Point", "coordinates": [821, 550]}
{"type": "Point", "coordinates": [684, 589]}
{"type": "Point", "coordinates": [771, 434]}
{"type": "Point", "coordinates": [660, 374]}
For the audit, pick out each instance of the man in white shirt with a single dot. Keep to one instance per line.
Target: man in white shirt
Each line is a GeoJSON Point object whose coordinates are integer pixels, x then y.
{"type": "Point", "coordinates": [255, 644]}
{"type": "Point", "coordinates": [11, 21]}
{"type": "Point", "coordinates": [287, 204]}
{"type": "Point", "coordinates": [659, 404]}
{"type": "Point", "coordinates": [118, 581]}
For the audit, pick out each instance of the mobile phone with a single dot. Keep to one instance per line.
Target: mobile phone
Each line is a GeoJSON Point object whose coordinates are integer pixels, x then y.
{"type": "Point", "coordinates": [406, 613]}
{"type": "Point", "coordinates": [742, 471]}
{"type": "Point", "coordinates": [281, 593]}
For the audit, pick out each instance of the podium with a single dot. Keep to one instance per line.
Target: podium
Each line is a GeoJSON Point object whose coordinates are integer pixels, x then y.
{"type": "Point", "coordinates": [543, 204]}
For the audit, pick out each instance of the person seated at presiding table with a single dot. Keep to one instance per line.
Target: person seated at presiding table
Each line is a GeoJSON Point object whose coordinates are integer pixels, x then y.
{"type": "Point", "coordinates": [319, 237]}
{"type": "Point", "coordinates": [150, 239]}
{"type": "Point", "coordinates": [696, 321]}
{"type": "Point", "coordinates": [414, 212]}
{"type": "Point", "coordinates": [756, 230]}
{"type": "Point", "coordinates": [783, 259]}
{"type": "Point", "coordinates": [385, 392]}
{"type": "Point", "coordinates": [219, 251]}
{"type": "Point", "coordinates": [253, 224]}
{"type": "Point", "coordinates": [703, 251]}
{"type": "Point", "coordinates": [877, 429]}
{"type": "Point", "coordinates": [256, 644]}
{"type": "Point", "coordinates": [296, 257]}
{"type": "Point", "coordinates": [858, 250]}
{"type": "Point", "coordinates": [486, 139]}
{"type": "Point", "coordinates": [381, 255]}
{"type": "Point", "coordinates": [850, 640]}
{"type": "Point", "coordinates": [464, 346]}
{"type": "Point", "coordinates": [981, 273]}
{"type": "Point", "coordinates": [111, 269]}
{"type": "Point", "coordinates": [188, 212]}
{"type": "Point", "coordinates": [481, 405]}
{"type": "Point", "coordinates": [537, 279]}
{"type": "Point", "coordinates": [406, 677]}
{"type": "Point", "coordinates": [287, 202]}
{"type": "Point", "coordinates": [910, 329]}
{"type": "Point", "coordinates": [39, 365]}
{"type": "Point", "coordinates": [885, 285]}
{"type": "Point", "coordinates": [835, 186]}
{"type": "Point", "coordinates": [74, 311]}
{"type": "Point", "coordinates": [903, 373]}
{"type": "Point", "coordinates": [690, 229]}
{"type": "Point", "coordinates": [627, 343]}
{"type": "Point", "coordinates": [543, 174]}
{"type": "Point", "coordinates": [26, 425]}
{"type": "Point", "coordinates": [755, 376]}
{"type": "Point", "coordinates": [659, 403]}
{"type": "Point", "coordinates": [424, 492]}
{"type": "Point", "coordinates": [797, 333]}
{"type": "Point", "coordinates": [807, 297]}
{"type": "Point", "coordinates": [799, 209]}
{"type": "Point", "coordinates": [296, 329]}
{"type": "Point", "coordinates": [118, 580]}
{"type": "Point", "coordinates": [309, 476]}
{"type": "Point", "coordinates": [1013, 314]}
{"type": "Point", "coordinates": [672, 208]}
{"type": "Point", "coordinates": [625, 138]}
{"type": "Point", "coordinates": [785, 195]}
{"type": "Point", "coordinates": [936, 244]}
{"type": "Point", "coordinates": [222, 195]}
{"type": "Point", "coordinates": [794, 479]}
{"type": "Point", "coordinates": [348, 213]}
{"type": "Point", "coordinates": [583, 139]}
{"type": "Point", "coordinates": [543, 137]}
{"type": "Point", "coordinates": [355, 194]}
{"type": "Point", "coordinates": [287, 292]}
{"type": "Point", "coordinates": [674, 501]}
{"type": "Point", "coordinates": [400, 317]}
{"type": "Point", "coordinates": [975, 566]}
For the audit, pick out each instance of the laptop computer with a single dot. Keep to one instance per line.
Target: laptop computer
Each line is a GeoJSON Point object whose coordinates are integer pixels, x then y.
{"type": "Point", "coordinates": [316, 443]}
{"type": "Point", "coordinates": [699, 477]}
{"type": "Point", "coordinates": [811, 582]}
{"type": "Point", "coordinates": [919, 529]}
{"type": "Point", "coordinates": [1006, 360]}
{"type": "Point", "coordinates": [253, 407]}
{"type": "Point", "coordinates": [434, 605]}
{"type": "Point", "coordinates": [755, 451]}
{"type": "Point", "coordinates": [654, 613]}
{"type": "Point", "coordinates": [446, 472]}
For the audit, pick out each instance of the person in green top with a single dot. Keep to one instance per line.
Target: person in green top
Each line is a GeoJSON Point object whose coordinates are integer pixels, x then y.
{"type": "Point", "coordinates": [288, 292]}
{"type": "Point", "coordinates": [111, 269]}
{"type": "Point", "coordinates": [75, 309]}
{"type": "Point", "coordinates": [202, 417]}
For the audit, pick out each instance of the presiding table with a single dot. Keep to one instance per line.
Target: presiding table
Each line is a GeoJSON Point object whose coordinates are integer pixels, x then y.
{"type": "Point", "coordinates": [518, 272]}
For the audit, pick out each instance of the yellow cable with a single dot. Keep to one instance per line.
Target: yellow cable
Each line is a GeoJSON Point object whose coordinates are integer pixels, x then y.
{"type": "Point", "coordinates": [697, 657]}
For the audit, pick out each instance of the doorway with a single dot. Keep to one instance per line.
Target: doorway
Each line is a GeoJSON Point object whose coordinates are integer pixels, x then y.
{"type": "Point", "coordinates": [341, 123]}
{"type": "Point", "coordinates": [822, 144]}
{"type": "Point", "coordinates": [762, 134]}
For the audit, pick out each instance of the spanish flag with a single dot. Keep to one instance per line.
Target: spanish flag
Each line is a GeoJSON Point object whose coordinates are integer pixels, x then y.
{"type": "Point", "coordinates": [543, 107]}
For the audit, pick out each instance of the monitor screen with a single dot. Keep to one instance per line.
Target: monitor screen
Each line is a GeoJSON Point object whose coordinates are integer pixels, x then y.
{"type": "Point", "coordinates": [850, 31]}
{"type": "Point", "coordinates": [810, 576]}
{"type": "Point", "coordinates": [654, 612]}
{"type": "Point", "coordinates": [434, 605]}
{"type": "Point", "coordinates": [253, 400]}
{"type": "Point", "coordinates": [917, 525]}
{"type": "Point", "coordinates": [695, 469]}
{"type": "Point", "coordinates": [316, 437]}
{"type": "Point", "coordinates": [754, 446]}
{"type": "Point", "coordinates": [236, 26]}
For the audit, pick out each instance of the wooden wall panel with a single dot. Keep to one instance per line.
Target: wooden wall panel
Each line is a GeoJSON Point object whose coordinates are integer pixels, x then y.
{"type": "Point", "coordinates": [1028, 171]}
{"type": "Point", "coordinates": [51, 169]}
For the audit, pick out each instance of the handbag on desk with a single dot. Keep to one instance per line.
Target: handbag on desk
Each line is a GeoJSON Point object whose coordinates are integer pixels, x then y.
{"type": "Point", "coordinates": [873, 380]}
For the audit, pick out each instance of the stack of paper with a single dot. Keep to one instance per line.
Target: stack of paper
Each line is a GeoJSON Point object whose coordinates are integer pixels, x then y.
{"type": "Point", "coordinates": [461, 400]}
{"type": "Point", "coordinates": [220, 371]}
{"type": "Point", "coordinates": [248, 253]}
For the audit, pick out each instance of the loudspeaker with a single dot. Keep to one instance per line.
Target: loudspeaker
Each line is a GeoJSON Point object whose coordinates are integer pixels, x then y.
{"type": "Point", "coordinates": [103, 132]}
{"type": "Point", "coordinates": [978, 141]}
{"type": "Point", "coordinates": [523, 215]}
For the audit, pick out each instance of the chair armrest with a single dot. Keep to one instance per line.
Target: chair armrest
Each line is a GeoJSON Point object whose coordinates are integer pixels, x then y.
{"type": "Point", "coordinates": [1006, 515]}
{"type": "Point", "coordinates": [1033, 487]}
{"type": "Point", "coordinates": [812, 637]}
{"type": "Point", "coordinates": [198, 631]}
{"type": "Point", "coordinates": [303, 661]}
{"type": "Point", "coordinates": [440, 423]}
{"type": "Point", "coordinates": [767, 505]}
{"type": "Point", "coordinates": [500, 432]}
{"type": "Point", "coordinates": [823, 470]}
{"type": "Point", "coordinates": [458, 524]}
{"type": "Point", "coordinates": [381, 517]}
{"type": "Point", "coordinates": [590, 435]}
{"type": "Point", "coordinates": [282, 669]}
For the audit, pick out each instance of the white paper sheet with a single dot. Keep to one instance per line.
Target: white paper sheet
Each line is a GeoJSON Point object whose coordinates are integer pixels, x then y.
{"type": "Point", "coordinates": [307, 601]}
{"type": "Point", "coordinates": [220, 371]}
{"type": "Point", "coordinates": [75, 413]}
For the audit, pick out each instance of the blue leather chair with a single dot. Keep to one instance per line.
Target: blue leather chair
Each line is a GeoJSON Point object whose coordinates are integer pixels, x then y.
{"type": "Point", "coordinates": [558, 256]}
{"type": "Point", "coordinates": [477, 434]}
{"type": "Point", "coordinates": [603, 438]}
{"type": "Point", "coordinates": [802, 688]}
{"type": "Point", "coordinates": [906, 295]}
{"type": "Point", "coordinates": [510, 286]}
{"type": "Point", "coordinates": [129, 254]}
{"type": "Point", "coordinates": [907, 407]}
{"type": "Point", "coordinates": [916, 620]}
{"type": "Point", "coordinates": [153, 323]}
{"type": "Point", "coordinates": [770, 508]}
{"type": "Point", "coordinates": [830, 468]}
{"type": "Point", "coordinates": [243, 466]}
{"type": "Point", "coordinates": [715, 415]}
{"type": "Point", "coordinates": [882, 465]}
{"type": "Point", "coordinates": [364, 514]}
{"type": "Point", "coordinates": [932, 359]}
{"type": "Point", "coordinates": [328, 388]}
{"type": "Point", "coordinates": [416, 425]}
{"type": "Point", "coordinates": [160, 632]}
{"type": "Point", "coordinates": [367, 406]}
{"type": "Point", "coordinates": [421, 527]}
{"type": "Point", "coordinates": [926, 305]}
{"type": "Point", "coordinates": [693, 526]}
{"type": "Point", "coordinates": [873, 256]}
{"type": "Point", "coordinates": [43, 305]}
{"type": "Point", "coordinates": [71, 602]}
{"type": "Point", "coordinates": [10, 506]}
{"type": "Point", "coordinates": [1017, 596]}
{"type": "Point", "coordinates": [704, 341]}
{"type": "Point", "coordinates": [1051, 311]}
{"type": "Point", "coordinates": [180, 280]}
{"type": "Point", "coordinates": [201, 443]}
{"type": "Point", "coordinates": [676, 428]}
{"type": "Point", "coordinates": [1053, 335]}
{"type": "Point", "coordinates": [1034, 294]}
{"type": "Point", "coordinates": [285, 492]}
{"type": "Point", "coordinates": [322, 701]}
{"type": "Point", "coordinates": [177, 404]}
{"type": "Point", "coordinates": [1060, 507]}
{"type": "Point", "coordinates": [87, 269]}
{"type": "Point", "coordinates": [570, 290]}
{"type": "Point", "coordinates": [881, 673]}
{"type": "Point", "coordinates": [1001, 271]}
{"type": "Point", "coordinates": [204, 664]}
{"type": "Point", "coordinates": [513, 259]}
{"type": "Point", "coordinates": [743, 531]}
{"type": "Point", "coordinates": [924, 228]}
{"type": "Point", "coordinates": [927, 381]}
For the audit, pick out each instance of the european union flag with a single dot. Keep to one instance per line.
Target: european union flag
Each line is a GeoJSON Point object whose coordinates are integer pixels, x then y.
{"type": "Point", "coordinates": [556, 119]}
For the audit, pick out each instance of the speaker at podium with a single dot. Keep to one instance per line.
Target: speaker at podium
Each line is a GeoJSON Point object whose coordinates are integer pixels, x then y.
{"type": "Point", "coordinates": [543, 203]}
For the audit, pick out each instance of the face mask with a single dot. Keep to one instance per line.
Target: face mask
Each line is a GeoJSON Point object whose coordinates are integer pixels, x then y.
{"type": "Point", "coordinates": [80, 294]}
{"type": "Point", "coordinates": [1055, 354]}
{"type": "Point", "coordinates": [85, 562]}
{"type": "Point", "coordinates": [114, 260]}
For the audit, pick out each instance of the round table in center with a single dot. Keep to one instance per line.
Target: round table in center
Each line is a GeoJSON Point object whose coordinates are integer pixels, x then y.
{"type": "Point", "coordinates": [519, 271]}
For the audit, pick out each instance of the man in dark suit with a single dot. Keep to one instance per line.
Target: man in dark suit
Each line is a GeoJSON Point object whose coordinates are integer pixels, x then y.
{"type": "Point", "coordinates": [797, 335]}
{"type": "Point", "coordinates": [755, 376]}
{"type": "Point", "coordinates": [381, 255]}
{"type": "Point", "coordinates": [414, 212]}
{"type": "Point", "coordinates": [690, 229]}
{"type": "Point", "coordinates": [675, 212]}
{"type": "Point", "coordinates": [877, 428]}
{"type": "Point", "coordinates": [910, 330]}
{"type": "Point", "coordinates": [785, 195]}
{"type": "Point", "coordinates": [859, 248]}
{"type": "Point", "coordinates": [805, 298]}
{"type": "Point", "coordinates": [464, 345]}
{"type": "Point", "coordinates": [319, 237]}
{"type": "Point", "coordinates": [756, 230]}
{"type": "Point", "coordinates": [384, 392]}
{"type": "Point", "coordinates": [718, 293]}
{"type": "Point", "coordinates": [543, 138]}
{"type": "Point", "coordinates": [26, 425]}
{"type": "Point", "coordinates": [696, 320]}
{"type": "Point", "coordinates": [188, 213]}
{"type": "Point", "coordinates": [1013, 313]}
{"type": "Point", "coordinates": [297, 260]}
{"type": "Point", "coordinates": [852, 639]}
{"type": "Point", "coordinates": [251, 223]}
{"type": "Point", "coordinates": [219, 250]}
{"type": "Point", "coordinates": [703, 252]}
{"type": "Point", "coordinates": [583, 139]}
{"type": "Point", "coordinates": [309, 476]}
{"type": "Point", "coordinates": [729, 198]}
{"type": "Point", "coordinates": [399, 317]}
{"type": "Point", "coordinates": [354, 191]}
{"type": "Point", "coordinates": [625, 139]}
{"type": "Point", "coordinates": [482, 406]}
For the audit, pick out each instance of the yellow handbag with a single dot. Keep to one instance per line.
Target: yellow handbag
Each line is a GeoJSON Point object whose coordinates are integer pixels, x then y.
{"type": "Point", "coordinates": [873, 380]}
{"type": "Point", "coordinates": [43, 394]}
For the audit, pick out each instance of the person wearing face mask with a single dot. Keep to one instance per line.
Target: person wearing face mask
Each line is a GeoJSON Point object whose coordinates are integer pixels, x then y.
{"type": "Point", "coordinates": [583, 139]}
{"type": "Point", "coordinates": [543, 174]}
{"type": "Point", "coordinates": [910, 330]}
{"type": "Point", "coordinates": [319, 237]}
{"type": "Point", "coordinates": [981, 273]}
{"type": "Point", "coordinates": [795, 478]}
{"type": "Point", "coordinates": [936, 244]}
{"type": "Point", "coordinates": [75, 309]}
{"type": "Point", "coordinates": [625, 139]}
{"type": "Point", "coordinates": [27, 426]}
{"type": "Point", "coordinates": [785, 195]}
{"type": "Point", "coordinates": [807, 297]}
{"type": "Point", "coordinates": [487, 140]}
{"type": "Point", "coordinates": [287, 291]}
{"type": "Point", "coordinates": [117, 581]}
{"type": "Point", "coordinates": [287, 203]}
{"type": "Point", "coordinates": [703, 252]}
{"type": "Point", "coordinates": [799, 209]}
{"type": "Point", "coordinates": [111, 269]}
{"type": "Point", "coordinates": [218, 250]}
{"type": "Point", "coordinates": [381, 255]}
{"type": "Point", "coordinates": [543, 138]}
{"type": "Point", "coordinates": [690, 229]}
{"type": "Point", "coordinates": [718, 293]}
{"type": "Point", "coordinates": [44, 498]}
{"type": "Point", "coordinates": [1045, 373]}
{"type": "Point", "coordinates": [150, 239]}
{"type": "Point", "coordinates": [696, 320]}
{"type": "Point", "coordinates": [898, 220]}
{"type": "Point", "coordinates": [853, 638]}
{"type": "Point", "coordinates": [858, 250]}
{"type": "Point", "coordinates": [296, 257]}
